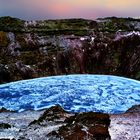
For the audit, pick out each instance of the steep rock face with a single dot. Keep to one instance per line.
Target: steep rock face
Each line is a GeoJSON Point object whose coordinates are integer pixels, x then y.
{"type": "Point", "coordinates": [18, 70]}
{"type": "Point", "coordinates": [129, 48]}
{"type": "Point", "coordinates": [72, 46]}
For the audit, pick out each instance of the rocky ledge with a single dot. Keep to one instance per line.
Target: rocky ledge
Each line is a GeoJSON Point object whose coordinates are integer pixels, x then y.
{"type": "Point", "coordinates": [55, 124]}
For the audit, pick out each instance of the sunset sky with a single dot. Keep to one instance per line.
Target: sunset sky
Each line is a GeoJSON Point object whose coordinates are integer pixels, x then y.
{"type": "Point", "coordinates": [55, 9]}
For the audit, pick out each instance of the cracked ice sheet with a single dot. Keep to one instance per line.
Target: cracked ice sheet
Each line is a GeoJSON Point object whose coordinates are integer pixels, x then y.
{"type": "Point", "coordinates": [75, 93]}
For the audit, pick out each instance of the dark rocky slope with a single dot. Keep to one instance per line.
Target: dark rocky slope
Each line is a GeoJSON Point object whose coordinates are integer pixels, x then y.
{"type": "Point", "coordinates": [55, 124]}
{"type": "Point", "coordinates": [55, 47]}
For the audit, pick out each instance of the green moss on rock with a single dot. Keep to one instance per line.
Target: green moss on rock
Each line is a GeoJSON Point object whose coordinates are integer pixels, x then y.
{"type": "Point", "coordinates": [3, 39]}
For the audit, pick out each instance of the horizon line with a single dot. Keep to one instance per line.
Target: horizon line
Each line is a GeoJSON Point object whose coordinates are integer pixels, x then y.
{"type": "Point", "coordinates": [94, 19]}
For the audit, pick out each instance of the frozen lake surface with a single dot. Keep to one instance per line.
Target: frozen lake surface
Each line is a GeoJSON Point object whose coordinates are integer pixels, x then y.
{"type": "Point", "coordinates": [75, 93]}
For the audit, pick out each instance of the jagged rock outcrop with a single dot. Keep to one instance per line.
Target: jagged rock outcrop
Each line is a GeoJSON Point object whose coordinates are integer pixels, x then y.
{"type": "Point", "coordinates": [55, 123]}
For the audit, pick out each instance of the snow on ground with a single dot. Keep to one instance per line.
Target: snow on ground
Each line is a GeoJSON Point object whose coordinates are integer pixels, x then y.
{"type": "Point", "coordinates": [125, 126]}
{"type": "Point", "coordinates": [18, 122]}
{"type": "Point", "coordinates": [75, 93]}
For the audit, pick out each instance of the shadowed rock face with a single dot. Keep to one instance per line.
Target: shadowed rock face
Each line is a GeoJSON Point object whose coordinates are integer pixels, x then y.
{"type": "Point", "coordinates": [85, 126]}
{"type": "Point", "coordinates": [4, 74]}
{"type": "Point", "coordinates": [105, 46]}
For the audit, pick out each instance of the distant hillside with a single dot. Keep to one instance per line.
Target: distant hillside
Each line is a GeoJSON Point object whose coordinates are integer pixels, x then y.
{"type": "Point", "coordinates": [103, 24]}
